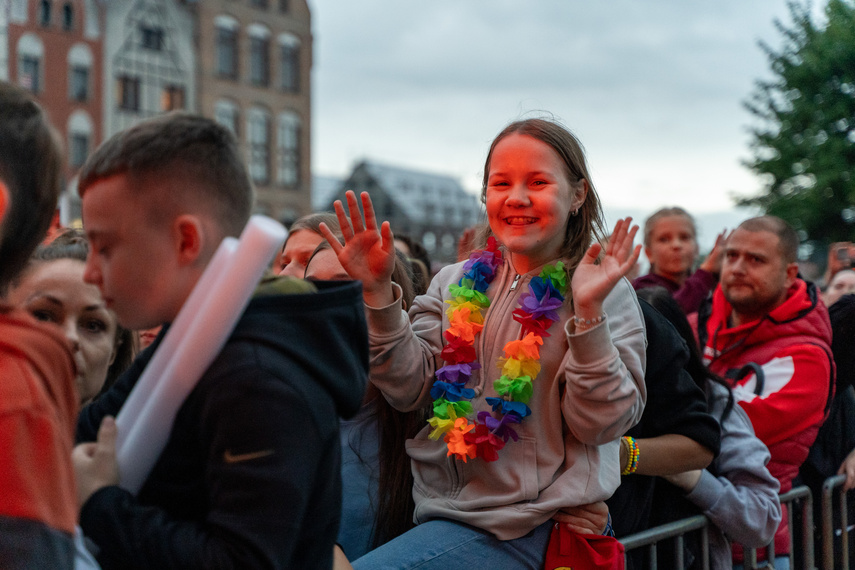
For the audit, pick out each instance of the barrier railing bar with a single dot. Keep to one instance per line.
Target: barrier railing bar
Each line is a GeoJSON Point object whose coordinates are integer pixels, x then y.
{"type": "Point", "coordinates": [668, 530]}
{"type": "Point", "coordinates": [828, 487]}
{"type": "Point", "coordinates": [798, 497]}
{"type": "Point", "coordinates": [844, 529]}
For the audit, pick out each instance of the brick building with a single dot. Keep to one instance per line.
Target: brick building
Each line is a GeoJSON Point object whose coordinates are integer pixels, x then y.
{"type": "Point", "coordinates": [54, 49]}
{"type": "Point", "coordinates": [254, 76]}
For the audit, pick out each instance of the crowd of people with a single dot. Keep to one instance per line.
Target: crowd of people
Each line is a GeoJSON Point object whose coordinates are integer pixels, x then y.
{"type": "Point", "coordinates": [367, 413]}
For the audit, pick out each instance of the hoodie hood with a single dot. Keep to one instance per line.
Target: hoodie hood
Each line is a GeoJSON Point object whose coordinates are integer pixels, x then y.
{"type": "Point", "coordinates": [324, 331]}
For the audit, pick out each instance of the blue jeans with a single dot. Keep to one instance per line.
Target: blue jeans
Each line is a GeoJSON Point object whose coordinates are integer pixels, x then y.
{"type": "Point", "coordinates": [442, 544]}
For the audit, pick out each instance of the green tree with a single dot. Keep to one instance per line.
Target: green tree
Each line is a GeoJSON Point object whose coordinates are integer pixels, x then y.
{"type": "Point", "coordinates": [804, 148]}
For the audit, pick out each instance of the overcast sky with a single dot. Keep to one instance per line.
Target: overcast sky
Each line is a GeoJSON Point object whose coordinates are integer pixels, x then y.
{"type": "Point", "coordinates": [653, 88]}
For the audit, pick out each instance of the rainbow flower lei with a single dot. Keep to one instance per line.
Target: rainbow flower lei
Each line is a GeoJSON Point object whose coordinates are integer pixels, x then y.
{"type": "Point", "coordinates": [489, 432]}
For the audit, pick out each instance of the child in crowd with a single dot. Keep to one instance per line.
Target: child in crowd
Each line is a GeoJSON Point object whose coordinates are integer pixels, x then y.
{"type": "Point", "coordinates": [671, 246]}
{"type": "Point", "coordinates": [52, 289]}
{"type": "Point", "coordinates": [250, 475]}
{"type": "Point", "coordinates": [506, 450]}
{"type": "Point", "coordinates": [38, 400]}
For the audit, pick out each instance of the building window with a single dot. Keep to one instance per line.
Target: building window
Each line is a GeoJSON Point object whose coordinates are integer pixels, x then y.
{"type": "Point", "coordinates": [172, 98]}
{"type": "Point", "coordinates": [151, 38]}
{"type": "Point", "coordinates": [227, 52]}
{"type": "Point", "coordinates": [78, 83]}
{"type": "Point", "coordinates": [258, 135]}
{"type": "Point", "coordinates": [259, 4]}
{"type": "Point", "coordinates": [128, 93]}
{"type": "Point", "coordinates": [67, 17]}
{"type": "Point", "coordinates": [78, 149]}
{"type": "Point", "coordinates": [288, 150]}
{"type": "Point", "coordinates": [44, 12]}
{"type": "Point", "coordinates": [283, 5]}
{"type": "Point", "coordinates": [259, 61]}
{"type": "Point", "coordinates": [290, 67]}
{"type": "Point", "coordinates": [29, 73]}
{"type": "Point", "coordinates": [226, 113]}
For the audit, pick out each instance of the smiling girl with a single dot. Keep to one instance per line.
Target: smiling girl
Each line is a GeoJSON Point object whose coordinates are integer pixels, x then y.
{"type": "Point", "coordinates": [532, 352]}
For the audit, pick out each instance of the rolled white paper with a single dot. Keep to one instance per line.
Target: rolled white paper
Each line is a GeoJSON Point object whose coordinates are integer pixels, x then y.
{"type": "Point", "coordinates": [211, 318]}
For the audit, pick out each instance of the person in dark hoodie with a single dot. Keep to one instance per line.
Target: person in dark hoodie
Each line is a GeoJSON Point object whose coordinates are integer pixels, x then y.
{"type": "Point", "coordinates": [250, 475]}
{"type": "Point", "coordinates": [38, 398]}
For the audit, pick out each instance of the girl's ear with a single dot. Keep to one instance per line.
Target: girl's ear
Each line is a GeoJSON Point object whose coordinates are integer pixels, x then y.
{"type": "Point", "coordinates": [581, 194]}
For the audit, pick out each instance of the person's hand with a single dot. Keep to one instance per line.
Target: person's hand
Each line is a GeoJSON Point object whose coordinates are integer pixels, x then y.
{"type": "Point", "coordinates": [848, 468]}
{"type": "Point", "coordinates": [838, 262]}
{"type": "Point", "coordinates": [592, 282]}
{"type": "Point", "coordinates": [95, 463]}
{"type": "Point", "coordinates": [368, 254]}
{"type": "Point", "coordinates": [466, 244]}
{"type": "Point", "coordinates": [585, 519]}
{"type": "Point", "coordinates": [713, 261]}
{"type": "Point", "coordinates": [685, 481]}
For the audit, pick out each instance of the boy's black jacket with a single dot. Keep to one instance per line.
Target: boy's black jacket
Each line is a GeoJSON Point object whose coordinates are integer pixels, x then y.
{"type": "Point", "coordinates": [250, 477]}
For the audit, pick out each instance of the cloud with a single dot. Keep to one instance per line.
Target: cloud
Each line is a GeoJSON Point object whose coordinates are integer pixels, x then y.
{"type": "Point", "coordinates": [654, 89]}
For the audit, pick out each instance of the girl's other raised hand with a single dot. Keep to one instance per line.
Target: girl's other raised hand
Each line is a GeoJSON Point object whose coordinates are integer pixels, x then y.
{"type": "Point", "coordinates": [592, 282]}
{"type": "Point", "coordinates": [368, 253]}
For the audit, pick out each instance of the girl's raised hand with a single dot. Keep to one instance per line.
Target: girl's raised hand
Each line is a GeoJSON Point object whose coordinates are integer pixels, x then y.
{"type": "Point", "coordinates": [368, 254]}
{"type": "Point", "coordinates": [592, 282]}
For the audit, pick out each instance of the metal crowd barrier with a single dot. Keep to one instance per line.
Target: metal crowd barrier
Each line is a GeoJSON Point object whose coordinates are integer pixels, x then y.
{"type": "Point", "coordinates": [677, 530]}
{"type": "Point", "coordinates": [831, 487]}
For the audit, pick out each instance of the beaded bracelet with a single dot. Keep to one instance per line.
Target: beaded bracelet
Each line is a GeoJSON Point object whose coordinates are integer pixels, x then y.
{"type": "Point", "coordinates": [632, 453]}
{"type": "Point", "coordinates": [588, 322]}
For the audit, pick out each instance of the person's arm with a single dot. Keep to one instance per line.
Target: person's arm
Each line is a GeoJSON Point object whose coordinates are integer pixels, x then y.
{"type": "Point", "coordinates": [676, 432]}
{"type": "Point", "coordinates": [605, 392]}
{"type": "Point", "coordinates": [668, 454]}
{"type": "Point", "coordinates": [695, 289]}
{"type": "Point", "coordinates": [700, 284]}
{"type": "Point", "coordinates": [265, 453]}
{"type": "Point", "coordinates": [404, 354]}
{"type": "Point", "coordinates": [741, 498]}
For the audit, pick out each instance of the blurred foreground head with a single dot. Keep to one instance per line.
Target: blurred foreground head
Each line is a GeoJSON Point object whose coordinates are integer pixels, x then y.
{"type": "Point", "coordinates": [30, 161]}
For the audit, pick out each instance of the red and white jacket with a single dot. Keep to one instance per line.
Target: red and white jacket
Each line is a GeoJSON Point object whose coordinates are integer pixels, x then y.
{"type": "Point", "coordinates": [782, 374]}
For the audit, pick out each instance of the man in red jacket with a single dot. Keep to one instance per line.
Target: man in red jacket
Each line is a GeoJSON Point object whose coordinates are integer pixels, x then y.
{"type": "Point", "coordinates": [769, 334]}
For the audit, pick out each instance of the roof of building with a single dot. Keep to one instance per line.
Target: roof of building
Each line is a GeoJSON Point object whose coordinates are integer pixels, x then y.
{"type": "Point", "coordinates": [324, 189]}
{"type": "Point", "coordinates": [423, 195]}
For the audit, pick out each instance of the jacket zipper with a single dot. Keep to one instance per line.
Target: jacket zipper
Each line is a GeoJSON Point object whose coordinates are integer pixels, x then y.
{"type": "Point", "coordinates": [457, 472]}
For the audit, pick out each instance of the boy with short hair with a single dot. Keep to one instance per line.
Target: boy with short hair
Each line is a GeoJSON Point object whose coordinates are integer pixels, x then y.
{"type": "Point", "coordinates": [38, 399]}
{"type": "Point", "coordinates": [250, 475]}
